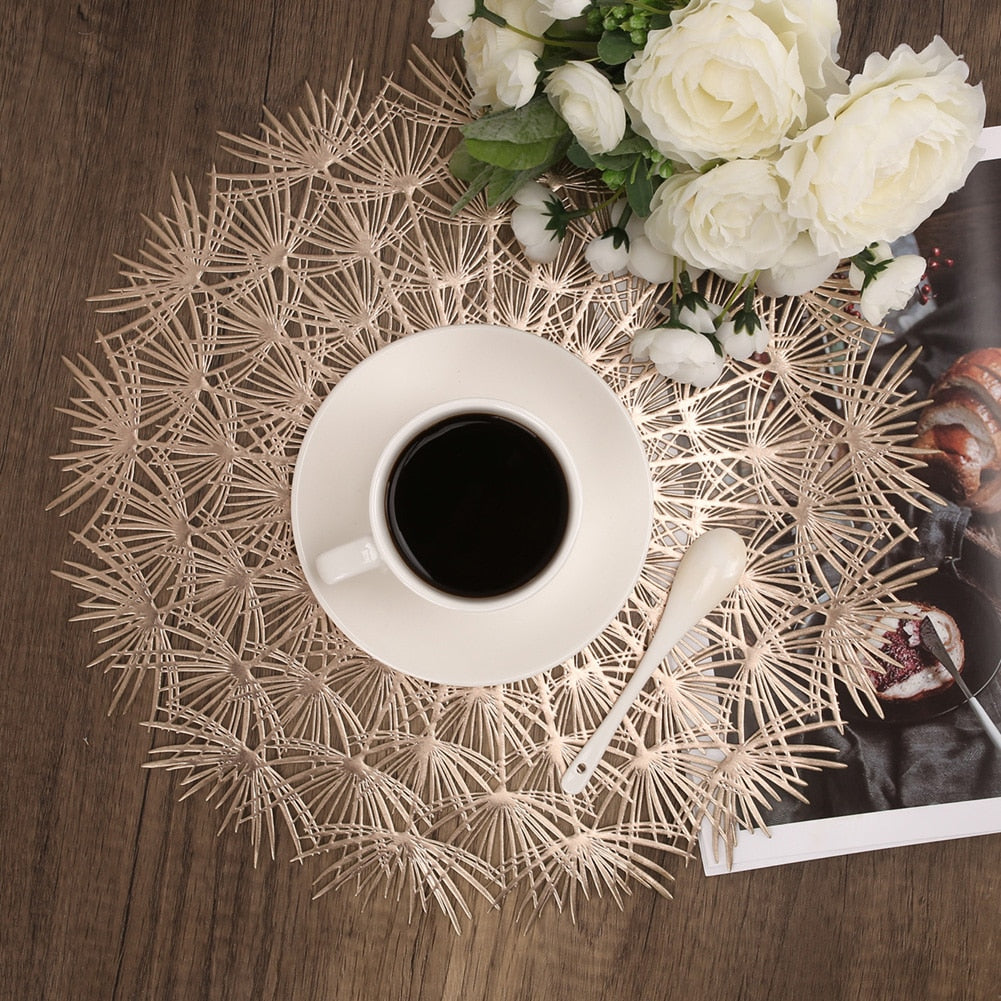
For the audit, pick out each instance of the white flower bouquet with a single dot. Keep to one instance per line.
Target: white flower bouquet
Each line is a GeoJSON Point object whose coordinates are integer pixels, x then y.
{"type": "Point", "coordinates": [729, 139]}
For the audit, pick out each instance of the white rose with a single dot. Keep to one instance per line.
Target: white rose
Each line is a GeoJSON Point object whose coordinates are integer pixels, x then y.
{"type": "Point", "coordinates": [500, 63]}
{"type": "Point", "coordinates": [890, 151]}
{"type": "Point", "coordinates": [563, 10]}
{"type": "Point", "coordinates": [449, 17]}
{"type": "Point", "coordinates": [586, 100]}
{"type": "Point", "coordinates": [725, 80]}
{"type": "Point", "coordinates": [731, 219]}
{"type": "Point", "coordinates": [493, 62]}
{"type": "Point", "coordinates": [680, 354]}
{"type": "Point", "coordinates": [891, 288]}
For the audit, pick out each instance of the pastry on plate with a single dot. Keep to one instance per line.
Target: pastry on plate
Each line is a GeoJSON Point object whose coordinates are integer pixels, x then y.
{"type": "Point", "coordinates": [906, 671]}
{"type": "Point", "coordinates": [961, 428]}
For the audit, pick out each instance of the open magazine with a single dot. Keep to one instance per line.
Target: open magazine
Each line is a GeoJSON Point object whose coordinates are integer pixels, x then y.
{"type": "Point", "coordinates": [927, 771]}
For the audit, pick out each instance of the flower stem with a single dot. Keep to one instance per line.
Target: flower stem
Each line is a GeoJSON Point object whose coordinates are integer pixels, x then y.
{"type": "Point", "coordinates": [481, 10]}
{"type": "Point", "coordinates": [587, 210]}
{"type": "Point", "coordinates": [584, 46]}
{"type": "Point", "coordinates": [664, 8]}
{"type": "Point", "coordinates": [650, 9]}
{"type": "Point", "coordinates": [739, 288]}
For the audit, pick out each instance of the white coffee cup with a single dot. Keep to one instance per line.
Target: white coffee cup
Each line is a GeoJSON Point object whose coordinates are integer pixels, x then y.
{"type": "Point", "coordinates": [377, 550]}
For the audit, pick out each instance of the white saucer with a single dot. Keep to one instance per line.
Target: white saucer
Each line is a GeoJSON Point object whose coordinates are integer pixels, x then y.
{"type": "Point", "coordinates": [330, 503]}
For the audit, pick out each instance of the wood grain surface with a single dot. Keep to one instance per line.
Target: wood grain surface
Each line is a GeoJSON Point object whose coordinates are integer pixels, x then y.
{"type": "Point", "coordinates": [113, 889]}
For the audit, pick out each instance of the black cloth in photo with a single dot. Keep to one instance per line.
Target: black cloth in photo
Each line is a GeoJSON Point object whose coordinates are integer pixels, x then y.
{"type": "Point", "coordinates": [888, 766]}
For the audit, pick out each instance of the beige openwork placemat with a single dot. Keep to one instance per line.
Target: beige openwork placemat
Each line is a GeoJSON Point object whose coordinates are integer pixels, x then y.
{"type": "Point", "coordinates": [231, 326]}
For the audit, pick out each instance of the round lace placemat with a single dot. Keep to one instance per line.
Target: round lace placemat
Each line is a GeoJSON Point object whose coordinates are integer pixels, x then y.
{"type": "Point", "coordinates": [231, 326]}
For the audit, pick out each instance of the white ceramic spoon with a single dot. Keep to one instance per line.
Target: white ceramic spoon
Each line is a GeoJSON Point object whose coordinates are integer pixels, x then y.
{"type": "Point", "coordinates": [707, 573]}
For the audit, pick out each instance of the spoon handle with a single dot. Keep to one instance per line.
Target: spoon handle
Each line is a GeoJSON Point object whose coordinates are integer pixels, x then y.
{"type": "Point", "coordinates": [707, 573]}
{"type": "Point", "coordinates": [932, 642]}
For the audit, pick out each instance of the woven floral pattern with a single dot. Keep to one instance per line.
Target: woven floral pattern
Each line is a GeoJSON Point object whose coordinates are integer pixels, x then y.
{"type": "Point", "coordinates": [231, 326]}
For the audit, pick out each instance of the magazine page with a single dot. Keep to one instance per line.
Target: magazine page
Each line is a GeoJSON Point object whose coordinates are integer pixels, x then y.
{"type": "Point", "coordinates": [929, 770]}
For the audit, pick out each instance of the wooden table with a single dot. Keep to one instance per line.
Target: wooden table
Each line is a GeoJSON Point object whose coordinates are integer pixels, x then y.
{"type": "Point", "coordinates": [111, 888]}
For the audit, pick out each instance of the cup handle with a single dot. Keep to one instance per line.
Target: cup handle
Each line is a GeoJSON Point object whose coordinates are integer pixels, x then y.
{"type": "Point", "coordinates": [348, 560]}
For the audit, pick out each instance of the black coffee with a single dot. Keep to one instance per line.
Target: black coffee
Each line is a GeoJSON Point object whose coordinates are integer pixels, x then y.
{"type": "Point", "coordinates": [477, 505]}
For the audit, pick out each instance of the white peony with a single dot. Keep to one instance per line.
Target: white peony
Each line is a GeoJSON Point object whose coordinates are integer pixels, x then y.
{"type": "Point", "coordinates": [564, 10]}
{"type": "Point", "coordinates": [449, 17]}
{"type": "Point", "coordinates": [679, 353]}
{"type": "Point", "coordinates": [801, 269]}
{"type": "Point", "coordinates": [731, 219]}
{"type": "Point", "coordinates": [586, 100]}
{"type": "Point", "coordinates": [815, 27]}
{"type": "Point", "coordinates": [890, 151]}
{"type": "Point", "coordinates": [527, 15]}
{"type": "Point", "coordinates": [500, 63]}
{"type": "Point", "coordinates": [810, 26]}
{"type": "Point", "coordinates": [517, 78]}
{"type": "Point", "coordinates": [891, 288]}
{"type": "Point", "coordinates": [733, 78]}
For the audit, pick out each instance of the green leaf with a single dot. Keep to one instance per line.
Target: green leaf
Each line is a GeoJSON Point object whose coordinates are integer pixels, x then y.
{"type": "Point", "coordinates": [609, 161]}
{"type": "Point", "coordinates": [498, 182]}
{"type": "Point", "coordinates": [474, 185]}
{"type": "Point", "coordinates": [621, 158]}
{"type": "Point", "coordinates": [616, 47]}
{"type": "Point", "coordinates": [471, 192]}
{"type": "Point", "coordinates": [639, 192]}
{"type": "Point", "coordinates": [531, 123]}
{"type": "Point", "coordinates": [551, 58]}
{"type": "Point", "coordinates": [504, 183]}
{"type": "Point", "coordinates": [504, 150]}
{"type": "Point", "coordinates": [463, 164]}
{"type": "Point", "coordinates": [579, 156]}
{"type": "Point", "coordinates": [513, 156]}
{"type": "Point", "coordinates": [523, 138]}
{"type": "Point", "coordinates": [631, 144]}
